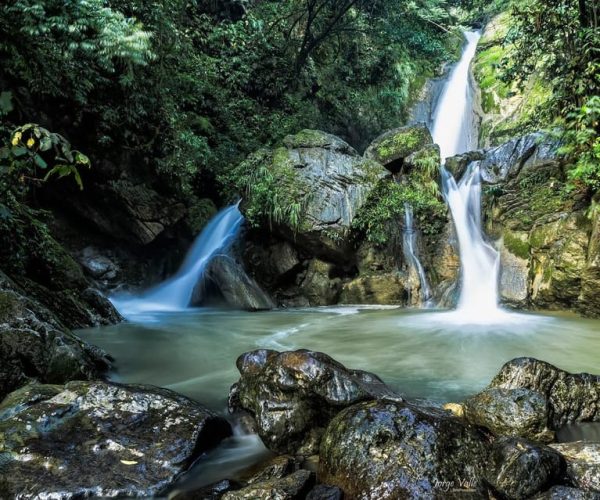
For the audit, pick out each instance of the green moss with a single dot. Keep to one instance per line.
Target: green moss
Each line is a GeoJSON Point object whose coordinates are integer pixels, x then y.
{"type": "Point", "coordinates": [199, 214]}
{"type": "Point", "coordinates": [307, 138]}
{"type": "Point", "coordinates": [7, 306]}
{"type": "Point", "coordinates": [401, 142]}
{"type": "Point", "coordinates": [516, 246]}
{"type": "Point", "coordinates": [383, 212]}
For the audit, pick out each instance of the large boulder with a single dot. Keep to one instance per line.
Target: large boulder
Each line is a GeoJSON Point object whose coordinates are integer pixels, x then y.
{"type": "Point", "coordinates": [293, 395]}
{"type": "Point", "coordinates": [384, 288]}
{"type": "Point", "coordinates": [583, 463]}
{"type": "Point", "coordinates": [510, 412]}
{"type": "Point", "coordinates": [325, 178]}
{"type": "Point", "coordinates": [99, 439]}
{"type": "Point", "coordinates": [385, 449]}
{"type": "Point", "coordinates": [35, 346]}
{"type": "Point", "coordinates": [571, 397]}
{"type": "Point", "coordinates": [519, 469]}
{"type": "Point", "coordinates": [393, 147]}
{"type": "Point", "coordinates": [225, 281]}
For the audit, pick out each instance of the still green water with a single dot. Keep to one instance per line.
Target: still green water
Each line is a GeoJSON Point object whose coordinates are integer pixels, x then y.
{"type": "Point", "coordinates": [422, 354]}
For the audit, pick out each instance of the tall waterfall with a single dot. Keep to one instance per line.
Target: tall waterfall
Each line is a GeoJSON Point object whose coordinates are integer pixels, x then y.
{"type": "Point", "coordinates": [453, 128]}
{"type": "Point", "coordinates": [176, 292]}
{"type": "Point", "coordinates": [453, 131]}
{"type": "Point", "coordinates": [409, 237]}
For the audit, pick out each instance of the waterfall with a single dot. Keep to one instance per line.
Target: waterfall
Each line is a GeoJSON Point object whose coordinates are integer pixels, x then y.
{"type": "Point", "coordinates": [453, 127]}
{"type": "Point", "coordinates": [176, 292]}
{"type": "Point", "coordinates": [454, 132]}
{"type": "Point", "coordinates": [409, 239]}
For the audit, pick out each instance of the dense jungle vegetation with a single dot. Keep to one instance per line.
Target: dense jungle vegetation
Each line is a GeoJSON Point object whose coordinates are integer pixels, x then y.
{"type": "Point", "coordinates": [180, 91]}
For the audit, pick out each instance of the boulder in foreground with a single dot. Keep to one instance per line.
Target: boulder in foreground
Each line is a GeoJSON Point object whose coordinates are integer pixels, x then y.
{"type": "Point", "coordinates": [99, 439]}
{"type": "Point", "coordinates": [293, 395]}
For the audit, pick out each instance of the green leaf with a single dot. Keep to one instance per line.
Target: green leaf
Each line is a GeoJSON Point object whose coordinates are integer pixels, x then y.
{"type": "Point", "coordinates": [19, 151]}
{"type": "Point", "coordinates": [40, 162]}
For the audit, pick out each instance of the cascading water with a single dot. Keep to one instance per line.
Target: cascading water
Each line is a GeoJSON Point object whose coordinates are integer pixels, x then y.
{"type": "Point", "coordinates": [453, 130]}
{"type": "Point", "coordinates": [175, 293]}
{"type": "Point", "coordinates": [453, 124]}
{"type": "Point", "coordinates": [409, 237]}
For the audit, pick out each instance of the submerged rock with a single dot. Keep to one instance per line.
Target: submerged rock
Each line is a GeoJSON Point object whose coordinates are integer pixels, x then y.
{"type": "Point", "coordinates": [99, 439]}
{"type": "Point", "coordinates": [225, 280]}
{"type": "Point", "coordinates": [510, 412]}
{"type": "Point", "coordinates": [384, 449]}
{"type": "Point", "coordinates": [571, 397]}
{"type": "Point", "coordinates": [520, 469]}
{"type": "Point", "coordinates": [35, 346]}
{"type": "Point", "coordinates": [293, 395]}
{"type": "Point", "coordinates": [583, 463]}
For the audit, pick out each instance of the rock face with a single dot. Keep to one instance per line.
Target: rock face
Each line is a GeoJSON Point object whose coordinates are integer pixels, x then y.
{"type": "Point", "coordinates": [332, 182]}
{"type": "Point", "coordinates": [46, 272]}
{"type": "Point", "coordinates": [225, 281]}
{"type": "Point", "coordinates": [520, 469]}
{"type": "Point", "coordinates": [293, 395]}
{"type": "Point", "coordinates": [393, 147]}
{"type": "Point", "coordinates": [510, 412]}
{"type": "Point", "coordinates": [583, 463]}
{"type": "Point", "coordinates": [384, 449]}
{"type": "Point", "coordinates": [98, 439]}
{"type": "Point", "coordinates": [571, 397]}
{"type": "Point", "coordinates": [35, 346]}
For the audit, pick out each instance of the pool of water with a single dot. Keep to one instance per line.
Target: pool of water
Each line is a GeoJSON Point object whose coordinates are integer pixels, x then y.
{"type": "Point", "coordinates": [433, 355]}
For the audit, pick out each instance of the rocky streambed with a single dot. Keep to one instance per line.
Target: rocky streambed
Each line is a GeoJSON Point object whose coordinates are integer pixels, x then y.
{"type": "Point", "coordinates": [334, 432]}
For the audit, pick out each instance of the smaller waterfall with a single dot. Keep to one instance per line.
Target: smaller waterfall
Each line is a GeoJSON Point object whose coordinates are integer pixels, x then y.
{"type": "Point", "coordinates": [176, 292]}
{"type": "Point", "coordinates": [479, 261]}
{"type": "Point", "coordinates": [409, 240]}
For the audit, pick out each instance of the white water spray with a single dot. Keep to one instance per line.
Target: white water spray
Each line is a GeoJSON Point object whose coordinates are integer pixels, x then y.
{"type": "Point", "coordinates": [409, 237]}
{"type": "Point", "coordinates": [175, 293]}
{"type": "Point", "coordinates": [479, 262]}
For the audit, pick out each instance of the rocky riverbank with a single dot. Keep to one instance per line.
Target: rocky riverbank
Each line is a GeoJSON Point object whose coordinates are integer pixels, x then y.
{"type": "Point", "coordinates": [334, 433]}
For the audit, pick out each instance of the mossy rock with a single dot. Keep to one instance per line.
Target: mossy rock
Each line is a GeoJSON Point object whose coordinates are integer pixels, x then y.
{"type": "Point", "coordinates": [307, 191]}
{"type": "Point", "coordinates": [391, 148]}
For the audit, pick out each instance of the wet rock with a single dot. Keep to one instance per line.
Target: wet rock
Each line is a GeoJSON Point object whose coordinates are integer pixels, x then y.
{"type": "Point", "coordinates": [211, 492]}
{"type": "Point", "coordinates": [275, 468]}
{"type": "Point", "coordinates": [96, 265]}
{"type": "Point", "coordinates": [99, 439]}
{"type": "Point", "coordinates": [519, 469]}
{"type": "Point", "coordinates": [510, 412]}
{"type": "Point", "coordinates": [292, 487]}
{"type": "Point", "coordinates": [514, 269]}
{"type": "Point", "coordinates": [571, 397]}
{"type": "Point", "coordinates": [319, 286]}
{"type": "Point", "coordinates": [583, 463]}
{"type": "Point", "coordinates": [325, 492]}
{"type": "Point", "coordinates": [331, 183]}
{"type": "Point", "coordinates": [394, 146]}
{"type": "Point", "coordinates": [384, 449]}
{"type": "Point", "coordinates": [293, 395]}
{"type": "Point", "coordinates": [567, 493]}
{"type": "Point", "coordinates": [225, 280]}
{"type": "Point", "coordinates": [388, 288]}
{"type": "Point", "coordinates": [457, 165]}
{"type": "Point", "coordinates": [35, 346]}
{"type": "Point", "coordinates": [528, 152]}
